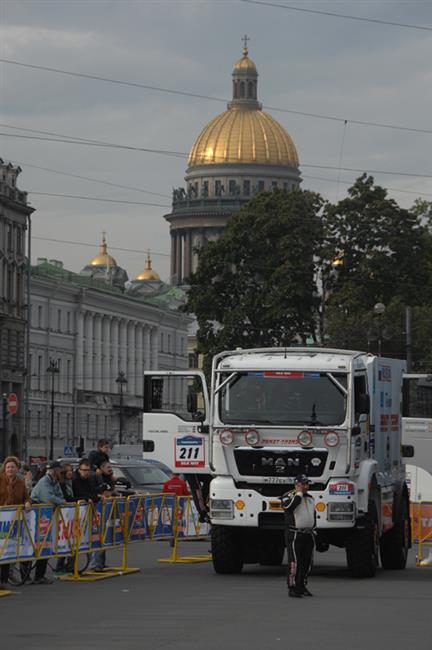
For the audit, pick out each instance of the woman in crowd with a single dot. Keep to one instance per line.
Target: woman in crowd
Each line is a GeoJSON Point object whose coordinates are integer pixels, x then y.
{"type": "Point", "coordinates": [13, 492]}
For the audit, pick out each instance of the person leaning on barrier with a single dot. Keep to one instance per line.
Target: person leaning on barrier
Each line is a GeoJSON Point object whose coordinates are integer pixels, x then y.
{"type": "Point", "coordinates": [300, 521]}
{"type": "Point", "coordinates": [65, 564]}
{"type": "Point", "coordinates": [47, 490]}
{"type": "Point", "coordinates": [99, 455]}
{"type": "Point", "coordinates": [13, 492]}
{"type": "Point", "coordinates": [85, 483]}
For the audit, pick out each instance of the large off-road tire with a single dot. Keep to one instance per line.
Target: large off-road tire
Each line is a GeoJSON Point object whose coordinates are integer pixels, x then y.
{"type": "Point", "coordinates": [226, 550]}
{"type": "Point", "coordinates": [272, 550]}
{"type": "Point", "coordinates": [362, 549]}
{"type": "Point", "coordinates": [395, 543]}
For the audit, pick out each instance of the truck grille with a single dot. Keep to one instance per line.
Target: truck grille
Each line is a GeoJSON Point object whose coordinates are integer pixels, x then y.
{"type": "Point", "coordinates": [260, 462]}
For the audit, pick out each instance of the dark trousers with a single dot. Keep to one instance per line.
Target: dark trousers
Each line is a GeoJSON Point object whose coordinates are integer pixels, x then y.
{"type": "Point", "coordinates": [41, 566]}
{"type": "Point", "coordinates": [4, 573]}
{"type": "Point", "coordinates": [300, 548]}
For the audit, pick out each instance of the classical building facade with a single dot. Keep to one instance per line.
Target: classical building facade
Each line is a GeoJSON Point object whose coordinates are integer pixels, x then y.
{"type": "Point", "coordinates": [14, 219]}
{"type": "Point", "coordinates": [94, 332]}
{"type": "Point", "coordinates": [241, 152]}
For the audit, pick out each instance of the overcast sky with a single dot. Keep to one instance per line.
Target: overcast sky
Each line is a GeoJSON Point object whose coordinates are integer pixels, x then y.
{"type": "Point", "coordinates": [306, 62]}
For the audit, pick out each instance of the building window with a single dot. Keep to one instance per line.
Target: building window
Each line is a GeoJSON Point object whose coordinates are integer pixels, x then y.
{"type": "Point", "coordinates": [68, 322]}
{"type": "Point", "coordinates": [59, 320]}
{"type": "Point", "coordinates": [169, 343]}
{"type": "Point", "coordinates": [274, 185]}
{"type": "Point", "coordinates": [261, 186]}
{"type": "Point", "coordinates": [242, 89]}
{"type": "Point", "coordinates": [162, 342]}
{"type": "Point", "coordinates": [218, 188]}
{"type": "Point", "coordinates": [39, 418]}
{"type": "Point", "coordinates": [246, 188]}
{"type": "Point", "coordinates": [232, 185]}
{"type": "Point", "coordinates": [68, 376]}
{"type": "Point", "coordinates": [40, 314]}
{"type": "Point", "coordinates": [39, 372]}
{"type": "Point", "coordinates": [205, 189]}
{"type": "Point", "coordinates": [193, 359]}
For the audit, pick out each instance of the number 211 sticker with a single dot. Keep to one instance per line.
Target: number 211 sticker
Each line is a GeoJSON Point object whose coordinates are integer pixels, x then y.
{"type": "Point", "coordinates": [189, 451]}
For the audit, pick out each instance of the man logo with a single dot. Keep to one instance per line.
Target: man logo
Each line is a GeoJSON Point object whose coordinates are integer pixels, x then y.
{"type": "Point", "coordinates": [280, 464]}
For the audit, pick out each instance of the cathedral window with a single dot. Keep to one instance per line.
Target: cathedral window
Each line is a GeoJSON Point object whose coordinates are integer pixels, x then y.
{"type": "Point", "coordinates": [246, 188]}
{"type": "Point", "coordinates": [218, 188]}
{"type": "Point", "coordinates": [242, 89]}
{"type": "Point", "coordinates": [261, 186]}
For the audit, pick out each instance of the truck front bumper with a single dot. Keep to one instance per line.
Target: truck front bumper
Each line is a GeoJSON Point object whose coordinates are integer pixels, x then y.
{"type": "Point", "coordinates": [231, 506]}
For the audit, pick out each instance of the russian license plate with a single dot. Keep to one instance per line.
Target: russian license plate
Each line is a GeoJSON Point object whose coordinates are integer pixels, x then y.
{"type": "Point", "coordinates": [274, 479]}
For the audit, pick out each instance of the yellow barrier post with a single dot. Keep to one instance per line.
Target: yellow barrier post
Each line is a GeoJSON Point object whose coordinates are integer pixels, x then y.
{"type": "Point", "coordinates": [178, 515]}
{"type": "Point", "coordinates": [123, 569]}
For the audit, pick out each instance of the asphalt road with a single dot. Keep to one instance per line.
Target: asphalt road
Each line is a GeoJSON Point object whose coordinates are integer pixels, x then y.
{"type": "Point", "coordinates": [188, 607]}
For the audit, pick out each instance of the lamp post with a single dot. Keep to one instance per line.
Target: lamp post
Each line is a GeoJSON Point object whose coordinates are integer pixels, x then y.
{"type": "Point", "coordinates": [379, 310]}
{"type": "Point", "coordinates": [121, 381]}
{"type": "Point", "coordinates": [53, 370]}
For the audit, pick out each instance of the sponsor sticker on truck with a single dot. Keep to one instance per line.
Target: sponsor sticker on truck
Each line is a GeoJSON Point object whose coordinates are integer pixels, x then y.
{"type": "Point", "coordinates": [189, 451]}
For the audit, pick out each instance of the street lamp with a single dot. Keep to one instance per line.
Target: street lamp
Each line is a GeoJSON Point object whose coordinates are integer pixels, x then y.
{"type": "Point", "coordinates": [379, 310]}
{"type": "Point", "coordinates": [121, 381]}
{"type": "Point", "coordinates": [53, 369]}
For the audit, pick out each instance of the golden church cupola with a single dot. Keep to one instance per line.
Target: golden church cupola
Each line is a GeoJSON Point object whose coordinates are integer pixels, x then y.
{"type": "Point", "coordinates": [245, 81]}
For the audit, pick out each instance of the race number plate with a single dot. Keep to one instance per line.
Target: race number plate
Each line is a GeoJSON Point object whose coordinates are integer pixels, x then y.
{"type": "Point", "coordinates": [189, 451]}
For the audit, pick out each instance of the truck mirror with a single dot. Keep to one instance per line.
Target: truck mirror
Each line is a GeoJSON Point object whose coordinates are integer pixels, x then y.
{"type": "Point", "coordinates": [192, 402]}
{"type": "Point", "coordinates": [407, 451]}
{"type": "Point", "coordinates": [363, 404]}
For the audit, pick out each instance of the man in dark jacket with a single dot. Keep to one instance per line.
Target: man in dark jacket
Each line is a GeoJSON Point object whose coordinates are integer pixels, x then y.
{"type": "Point", "coordinates": [85, 484]}
{"type": "Point", "coordinates": [99, 455]}
{"type": "Point", "coordinates": [300, 521]}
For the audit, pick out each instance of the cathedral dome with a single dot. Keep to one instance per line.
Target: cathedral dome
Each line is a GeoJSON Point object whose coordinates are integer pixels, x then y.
{"type": "Point", "coordinates": [103, 258]}
{"type": "Point", "coordinates": [244, 134]}
{"type": "Point", "coordinates": [148, 273]}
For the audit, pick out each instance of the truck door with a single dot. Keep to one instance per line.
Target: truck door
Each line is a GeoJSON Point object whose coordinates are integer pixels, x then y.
{"type": "Point", "coordinates": [417, 419]}
{"type": "Point", "coordinates": [175, 420]}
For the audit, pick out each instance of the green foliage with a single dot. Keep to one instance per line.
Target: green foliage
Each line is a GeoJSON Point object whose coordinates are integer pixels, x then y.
{"type": "Point", "coordinates": [255, 286]}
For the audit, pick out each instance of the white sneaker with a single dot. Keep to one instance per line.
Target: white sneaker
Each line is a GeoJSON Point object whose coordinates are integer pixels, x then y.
{"type": "Point", "coordinates": [427, 561]}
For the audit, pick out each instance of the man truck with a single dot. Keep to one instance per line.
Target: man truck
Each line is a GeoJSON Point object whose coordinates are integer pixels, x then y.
{"type": "Point", "coordinates": [270, 414]}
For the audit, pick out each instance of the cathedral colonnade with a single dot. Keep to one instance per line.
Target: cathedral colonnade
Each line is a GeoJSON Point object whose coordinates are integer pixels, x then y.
{"type": "Point", "coordinates": [107, 345]}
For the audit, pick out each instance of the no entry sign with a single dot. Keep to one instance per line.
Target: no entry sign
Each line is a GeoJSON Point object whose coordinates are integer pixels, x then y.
{"type": "Point", "coordinates": [12, 403]}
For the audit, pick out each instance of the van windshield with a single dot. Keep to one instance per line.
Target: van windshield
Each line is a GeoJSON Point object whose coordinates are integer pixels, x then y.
{"type": "Point", "coordinates": [283, 397]}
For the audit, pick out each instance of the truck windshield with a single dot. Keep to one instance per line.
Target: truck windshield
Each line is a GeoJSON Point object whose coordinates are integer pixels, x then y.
{"type": "Point", "coordinates": [280, 397]}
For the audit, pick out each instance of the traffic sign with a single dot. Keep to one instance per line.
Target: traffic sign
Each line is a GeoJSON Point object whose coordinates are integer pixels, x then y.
{"type": "Point", "coordinates": [12, 403]}
{"type": "Point", "coordinates": [68, 451]}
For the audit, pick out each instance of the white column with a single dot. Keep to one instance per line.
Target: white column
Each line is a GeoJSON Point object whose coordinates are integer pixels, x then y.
{"type": "Point", "coordinates": [79, 350]}
{"type": "Point", "coordinates": [107, 373]}
{"type": "Point", "coordinates": [154, 343]}
{"type": "Point", "coordinates": [115, 350]}
{"type": "Point", "coordinates": [123, 347]}
{"type": "Point", "coordinates": [131, 377]}
{"type": "Point", "coordinates": [139, 368]}
{"type": "Point", "coordinates": [98, 370]}
{"type": "Point", "coordinates": [89, 369]}
{"type": "Point", "coordinates": [147, 360]}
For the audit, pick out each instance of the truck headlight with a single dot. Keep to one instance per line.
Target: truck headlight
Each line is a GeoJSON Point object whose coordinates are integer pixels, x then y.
{"type": "Point", "coordinates": [304, 439]}
{"type": "Point", "coordinates": [221, 509]}
{"type": "Point", "coordinates": [252, 437]}
{"type": "Point", "coordinates": [226, 437]}
{"type": "Point", "coordinates": [340, 511]}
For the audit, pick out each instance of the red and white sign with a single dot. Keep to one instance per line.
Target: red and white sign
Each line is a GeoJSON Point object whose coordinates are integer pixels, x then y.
{"type": "Point", "coordinates": [12, 403]}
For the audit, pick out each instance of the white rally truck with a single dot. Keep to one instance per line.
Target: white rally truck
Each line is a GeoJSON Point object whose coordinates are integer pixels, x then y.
{"type": "Point", "coordinates": [334, 415]}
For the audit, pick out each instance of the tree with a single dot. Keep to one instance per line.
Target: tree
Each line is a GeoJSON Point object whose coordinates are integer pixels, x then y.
{"type": "Point", "coordinates": [256, 285]}
{"type": "Point", "coordinates": [385, 252]}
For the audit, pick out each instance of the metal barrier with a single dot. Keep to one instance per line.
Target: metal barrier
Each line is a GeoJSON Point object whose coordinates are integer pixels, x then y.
{"type": "Point", "coordinates": [47, 531]}
{"type": "Point", "coordinates": [421, 517]}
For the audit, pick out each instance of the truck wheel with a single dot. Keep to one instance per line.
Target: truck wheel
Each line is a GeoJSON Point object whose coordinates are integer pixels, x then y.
{"type": "Point", "coordinates": [226, 550]}
{"type": "Point", "coordinates": [395, 543]}
{"type": "Point", "coordinates": [363, 547]}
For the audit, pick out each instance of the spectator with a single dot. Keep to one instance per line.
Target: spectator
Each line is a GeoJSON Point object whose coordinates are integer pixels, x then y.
{"type": "Point", "coordinates": [47, 490]}
{"type": "Point", "coordinates": [65, 564]}
{"type": "Point", "coordinates": [13, 492]}
{"type": "Point", "coordinates": [106, 489]}
{"type": "Point", "coordinates": [27, 477]}
{"type": "Point", "coordinates": [85, 484]}
{"type": "Point", "coordinates": [176, 485]}
{"type": "Point", "coordinates": [99, 455]}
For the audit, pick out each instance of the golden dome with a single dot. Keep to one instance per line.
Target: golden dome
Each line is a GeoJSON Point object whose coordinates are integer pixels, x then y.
{"type": "Point", "coordinates": [245, 64]}
{"type": "Point", "coordinates": [243, 134]}
{"type": "Point", "coordinates": [148, 273]}
{"type": "Point", "coordinates": [103, 259]}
